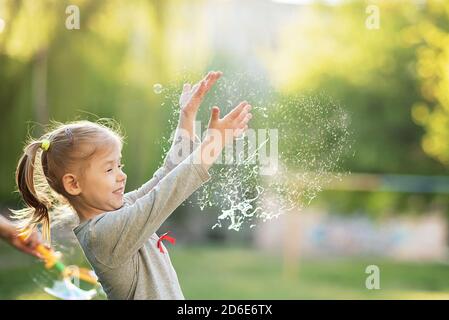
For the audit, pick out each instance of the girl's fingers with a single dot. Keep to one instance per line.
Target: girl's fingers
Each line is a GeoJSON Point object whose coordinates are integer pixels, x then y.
{"type": "Point", "coordinates": [215, 114]}
{"type": "Point", "coordinates": [242, 124]}
{"type": "Point", "coordinates": [194, 88]}
{"type": "Point", "coordinates": [187, 87]}
{"type": "Point", "coordinates": [201, 88]}
{"type": "Point", "coordinates": [206, 78]}
{"type": "Point", "coordinates": [213, 78]}
{"type": "Point", "coordinates": [197, 93]}
{"type": "Point", "coordinates": [241, 116]}
{"type": "Point", "coordinates": [244, 113]}
{"type": "Point", "coordinates": [236, 111]}
{"type": "Point", "coordinates": [247, 118]}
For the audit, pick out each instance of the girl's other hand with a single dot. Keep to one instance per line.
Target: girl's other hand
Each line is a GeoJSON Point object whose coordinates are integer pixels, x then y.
{"type": "Point", "coordinates": [230, 126]}
{"type": "Point", "coordinates": [191, 97]}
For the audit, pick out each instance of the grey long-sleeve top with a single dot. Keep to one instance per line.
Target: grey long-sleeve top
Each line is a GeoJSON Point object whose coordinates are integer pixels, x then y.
{"type": "Point", "coordinates": [121, 245]}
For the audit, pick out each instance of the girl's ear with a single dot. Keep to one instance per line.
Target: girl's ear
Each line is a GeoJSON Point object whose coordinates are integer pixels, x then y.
{"type": "Point", "coordinates": [71, 184]}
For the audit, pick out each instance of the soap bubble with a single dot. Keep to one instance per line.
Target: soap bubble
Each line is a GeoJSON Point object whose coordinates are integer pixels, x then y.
{"type": "Point", "coordinates": [158, 88]}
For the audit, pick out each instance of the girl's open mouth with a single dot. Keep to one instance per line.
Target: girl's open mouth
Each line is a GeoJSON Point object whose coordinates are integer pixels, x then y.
{"type": "Point", "coordinates": [119, 191]}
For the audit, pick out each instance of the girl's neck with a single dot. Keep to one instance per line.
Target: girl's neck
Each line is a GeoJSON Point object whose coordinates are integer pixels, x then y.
{"type": "Point", "coordinates": [86, 213]}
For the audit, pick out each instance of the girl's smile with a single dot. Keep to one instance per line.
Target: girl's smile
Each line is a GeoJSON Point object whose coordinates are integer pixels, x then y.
{"type": "Point", "coordinates": [120, 191]}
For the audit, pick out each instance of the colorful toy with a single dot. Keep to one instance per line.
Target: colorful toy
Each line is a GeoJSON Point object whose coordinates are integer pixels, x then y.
{"type": "Point", "coordinates": [65, 288]}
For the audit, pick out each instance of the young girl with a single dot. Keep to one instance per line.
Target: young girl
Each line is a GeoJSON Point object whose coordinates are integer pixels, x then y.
{"type": "Point", "coordinates": [81, 162]}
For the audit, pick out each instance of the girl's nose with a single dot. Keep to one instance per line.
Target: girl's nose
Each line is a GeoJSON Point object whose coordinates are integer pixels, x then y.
{"type": "Point", "coordinates": [122, 176]}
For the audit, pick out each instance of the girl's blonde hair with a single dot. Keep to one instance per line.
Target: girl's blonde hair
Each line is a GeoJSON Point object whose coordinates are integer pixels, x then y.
{"type": "Point", "coordinates": [64, 148]}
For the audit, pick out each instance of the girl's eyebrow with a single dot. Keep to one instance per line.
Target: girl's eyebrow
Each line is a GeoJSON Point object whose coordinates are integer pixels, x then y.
{"type": "Point", "coordinates": [112, 161]}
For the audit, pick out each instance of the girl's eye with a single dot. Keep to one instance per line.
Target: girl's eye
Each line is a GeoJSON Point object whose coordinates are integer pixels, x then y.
{"type": "Point", "coordinates": [120, 166]}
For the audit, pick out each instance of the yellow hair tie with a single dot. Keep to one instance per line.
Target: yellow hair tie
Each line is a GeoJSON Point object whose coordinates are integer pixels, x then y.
{"type": "Point", "coordinates": [45, 144]}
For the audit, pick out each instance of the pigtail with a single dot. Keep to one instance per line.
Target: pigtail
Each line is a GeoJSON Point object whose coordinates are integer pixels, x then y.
{"type": "Point", "coordinates": [29, 180]}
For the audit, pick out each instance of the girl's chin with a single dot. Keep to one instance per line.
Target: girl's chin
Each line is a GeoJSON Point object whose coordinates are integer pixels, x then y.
{"type": "Point", "coordinates": [119, 203]}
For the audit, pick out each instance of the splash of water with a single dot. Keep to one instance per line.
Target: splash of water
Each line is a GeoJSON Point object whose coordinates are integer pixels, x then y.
{"type": "Point", "coordinates": [313, 137]}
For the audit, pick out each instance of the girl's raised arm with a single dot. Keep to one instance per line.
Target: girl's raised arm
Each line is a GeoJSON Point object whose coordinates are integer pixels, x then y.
{"type": "Point", "coordinates": [185, 140]}
{"type": "Point", "coordinates": [181, 147]}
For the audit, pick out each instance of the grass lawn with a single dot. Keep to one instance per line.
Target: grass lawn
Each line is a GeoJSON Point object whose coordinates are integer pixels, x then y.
{"type": "Point", "coordinates": [244, 273]}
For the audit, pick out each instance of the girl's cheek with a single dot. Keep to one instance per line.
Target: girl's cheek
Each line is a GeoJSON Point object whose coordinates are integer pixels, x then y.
{"type": "Point", "coordinates": [112, 179]}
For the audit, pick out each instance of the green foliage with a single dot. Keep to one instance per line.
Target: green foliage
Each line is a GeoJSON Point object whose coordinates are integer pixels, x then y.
{"type": "Point", "coordinates": [109, 67]}
{"type": "Point", "coordinates": [430, 39]}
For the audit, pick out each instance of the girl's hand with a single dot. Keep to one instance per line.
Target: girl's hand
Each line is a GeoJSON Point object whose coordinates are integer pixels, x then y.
{"type": "Point", "coordinates": [222, 132]}
{"type": "Point", "coordinates": [230, 126]}
{"type": "Point", "coordinates": [191, 97]}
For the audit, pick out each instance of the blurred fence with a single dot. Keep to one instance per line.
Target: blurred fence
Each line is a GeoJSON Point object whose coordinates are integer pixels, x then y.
{"type": "Point", "coordinates": [319, 234]}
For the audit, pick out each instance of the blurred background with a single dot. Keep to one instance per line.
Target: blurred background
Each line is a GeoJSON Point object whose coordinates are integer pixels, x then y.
{"type": "Point", "coordinates": [385, 62]}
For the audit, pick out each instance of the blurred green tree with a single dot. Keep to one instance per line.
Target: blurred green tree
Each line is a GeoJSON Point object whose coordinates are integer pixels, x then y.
{"type": "Point", "coordinates": [369, 72]}
{"type": "Point", "coordinates": [430, 38]}
{"type": "Point", "coordinates": [107, 68]}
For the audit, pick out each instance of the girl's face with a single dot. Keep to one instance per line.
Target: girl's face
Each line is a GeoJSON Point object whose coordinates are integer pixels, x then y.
{"type": "Point", "coordinates": [103, 182]}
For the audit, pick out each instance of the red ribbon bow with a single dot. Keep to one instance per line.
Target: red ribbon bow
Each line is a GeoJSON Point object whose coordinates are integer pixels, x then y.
{"type": "Point", "coordinates": [165, 236]}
